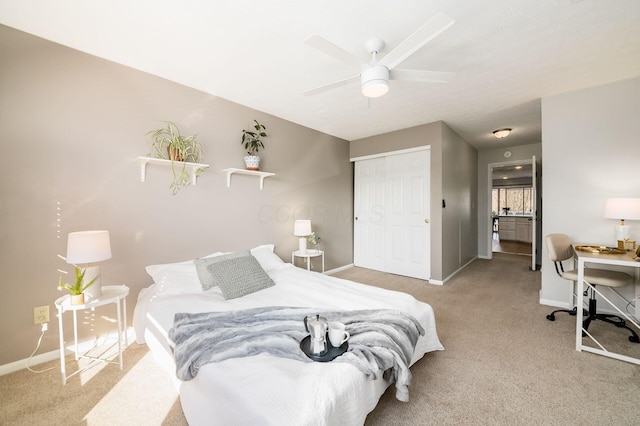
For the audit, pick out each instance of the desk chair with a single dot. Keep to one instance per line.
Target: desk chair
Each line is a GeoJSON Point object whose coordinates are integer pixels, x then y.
{"type": "Point", "coordinates": [560, 249]}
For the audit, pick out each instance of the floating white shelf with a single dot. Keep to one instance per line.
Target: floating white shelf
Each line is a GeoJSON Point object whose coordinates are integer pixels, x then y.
{"type": "Point", "coordinates": [192, 167]}
{"type": "Point", "coordinates": [262, 175]}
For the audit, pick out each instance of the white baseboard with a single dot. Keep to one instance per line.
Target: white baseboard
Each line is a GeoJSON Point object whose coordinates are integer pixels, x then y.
{"type": "Point", "coordinates": [555, 304]}
{"type": "Point", "coordinates": [430, 281]}
{"type": "Point", "coordinates": [602, 307]}
{"type": "Point", "coordinates": [341, 268]}
{"type": "Point", "coordinates": [438, 282]}
{"type": "Point", "coordinates": [54, 355]}
{"type": "Point", "coordinates": [12, 367]}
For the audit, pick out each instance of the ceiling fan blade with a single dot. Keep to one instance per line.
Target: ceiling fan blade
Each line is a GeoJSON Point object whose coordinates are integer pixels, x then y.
{"type": "Point", "coordinates": [419, 75]}
{"type": "Point", "coordinates": [332, 50]}
{"type": "Point", "coordinates": [430, 30]}
{"type": "Point", "coordinates": [333, 85]}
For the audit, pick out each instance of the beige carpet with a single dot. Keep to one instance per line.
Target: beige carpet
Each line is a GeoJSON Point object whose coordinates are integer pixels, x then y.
{"type": "Point", "coordinates": [504, 364]}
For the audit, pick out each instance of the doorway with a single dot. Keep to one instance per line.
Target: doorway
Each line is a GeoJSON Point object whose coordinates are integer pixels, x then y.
{"type": "Point", "coordinates": [513, 207]}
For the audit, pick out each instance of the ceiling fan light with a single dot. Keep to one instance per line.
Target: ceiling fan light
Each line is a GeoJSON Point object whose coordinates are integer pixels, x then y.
{"type": "Point", "coordinates": [375, 81]}
{"type": "Point", "coordinates": [375, 88]}
{"type": "Point", "coordinates": [501, 133]}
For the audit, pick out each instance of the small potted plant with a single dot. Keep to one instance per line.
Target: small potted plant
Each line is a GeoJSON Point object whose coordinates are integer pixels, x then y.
{"type": "Point", "coordinates": [314, 239]}
{"type": "Point", "coordinates": [78, 287]}
{"type": "Point", "coordinates": [252, 142]}
{"type": "Point", "coordinates": [167, 143]}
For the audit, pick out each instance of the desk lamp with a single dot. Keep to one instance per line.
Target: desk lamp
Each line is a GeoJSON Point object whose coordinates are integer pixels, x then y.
{"type": "Point", "coordinates": [622, 209]}
{"type": "Point", "coordinates": [88, 247]}
{"type": "Point", "coordinates": [302, 229]}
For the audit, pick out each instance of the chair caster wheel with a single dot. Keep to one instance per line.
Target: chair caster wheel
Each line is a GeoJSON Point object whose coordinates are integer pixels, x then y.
{"type": "Point", "coordinates": [551, 317]}
{"type": "Point", "coordinates": [634, 339]}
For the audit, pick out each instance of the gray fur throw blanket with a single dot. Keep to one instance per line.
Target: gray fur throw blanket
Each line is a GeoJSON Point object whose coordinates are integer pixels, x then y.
{"type": "Point", "coordinates": [382, 341]}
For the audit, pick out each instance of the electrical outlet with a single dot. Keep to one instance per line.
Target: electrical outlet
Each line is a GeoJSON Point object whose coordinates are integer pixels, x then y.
{"type": "Point", "coordinates": [41, 314]}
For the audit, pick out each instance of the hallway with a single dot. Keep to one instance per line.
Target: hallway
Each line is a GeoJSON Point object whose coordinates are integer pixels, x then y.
{"type": "Point", "coordinates": [510, 246]}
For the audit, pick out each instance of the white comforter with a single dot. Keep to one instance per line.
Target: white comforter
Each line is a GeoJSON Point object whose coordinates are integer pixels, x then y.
{"type": "Point", "coordinates": [268, 390]}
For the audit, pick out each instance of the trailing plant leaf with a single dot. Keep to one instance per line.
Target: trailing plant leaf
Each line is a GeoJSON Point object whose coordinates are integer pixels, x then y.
{"type": "Point", "coordinates": [168, 140]}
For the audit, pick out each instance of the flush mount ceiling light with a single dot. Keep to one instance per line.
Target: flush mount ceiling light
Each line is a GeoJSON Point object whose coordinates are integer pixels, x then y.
{"type": "Point", "coordinates": [501, 133]}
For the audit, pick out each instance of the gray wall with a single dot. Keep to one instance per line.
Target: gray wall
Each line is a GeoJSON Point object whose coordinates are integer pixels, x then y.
{"type": "Point", "coordinates": [460, 192]}
{"type": "Point", "coordinates": [72, 127]}
{"type": "Point", "coordinates": [493, 156]}
{"type": "Point", "coordinates": [453, 177]}
{"type": "Point", "coordinates": [590, 147]}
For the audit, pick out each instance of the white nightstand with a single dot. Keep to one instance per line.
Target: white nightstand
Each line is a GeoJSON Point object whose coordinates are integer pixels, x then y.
{"type": "Point", "coordinates": [110, 294]}
{"type": "Point", "coordinates": [307, 256]}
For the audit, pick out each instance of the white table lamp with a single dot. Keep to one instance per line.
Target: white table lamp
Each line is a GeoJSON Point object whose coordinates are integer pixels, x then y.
{"type": "Point", "coordinates": [302, 229]}
{"type": "Point", "coordinates": [622, 209]}
{"type": "Point", "coordinates": [87, 247]}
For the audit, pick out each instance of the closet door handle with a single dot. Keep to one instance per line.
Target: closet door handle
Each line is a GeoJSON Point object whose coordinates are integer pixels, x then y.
{"type": "Point", "coordinates": [356, 217]}
{"type": "Point", "coordinates": [426, 221]}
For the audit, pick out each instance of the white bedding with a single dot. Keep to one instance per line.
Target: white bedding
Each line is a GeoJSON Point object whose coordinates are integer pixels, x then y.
{"type": "Point", "coordinates": [268, 390]}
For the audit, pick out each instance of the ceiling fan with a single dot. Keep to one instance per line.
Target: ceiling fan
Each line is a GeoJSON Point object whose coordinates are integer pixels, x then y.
{"type": "Point", "coordinates": [375, 76]}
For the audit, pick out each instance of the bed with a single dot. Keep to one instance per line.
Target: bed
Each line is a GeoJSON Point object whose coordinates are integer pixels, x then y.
{"type": "Point", "coordinates": [265, 389]}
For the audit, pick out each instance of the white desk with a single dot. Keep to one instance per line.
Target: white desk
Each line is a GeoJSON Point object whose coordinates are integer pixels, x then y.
{"type": "Point", "coordinates": [308, 255]}
{"type": "Point", "coordinates": [603, 259]}
{"type": "Point", "coordinates": [110, 294]}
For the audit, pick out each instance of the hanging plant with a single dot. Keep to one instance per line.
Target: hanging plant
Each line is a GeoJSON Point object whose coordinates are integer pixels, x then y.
{"type": "Point", "coordinates": [167, 143]}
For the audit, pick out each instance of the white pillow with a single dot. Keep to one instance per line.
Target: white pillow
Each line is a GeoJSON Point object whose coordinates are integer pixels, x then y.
{"type": "Point", "coordinates": [177, 278]}
{"type": "Point", "coordinates": [267, 258]}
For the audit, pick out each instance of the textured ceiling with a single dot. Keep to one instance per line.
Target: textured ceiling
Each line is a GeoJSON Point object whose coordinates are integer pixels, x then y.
{"type": "Point", "coordinates": [506, 54]}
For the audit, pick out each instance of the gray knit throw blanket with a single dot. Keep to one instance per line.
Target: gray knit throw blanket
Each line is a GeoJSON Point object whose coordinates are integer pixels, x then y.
{"type": "Point", "coordinates": [382, 341]}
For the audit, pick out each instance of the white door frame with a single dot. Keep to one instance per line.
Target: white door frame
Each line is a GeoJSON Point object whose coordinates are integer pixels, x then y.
{"type": "Point", "coordinates": [386, 154]}
{"type": "Point", "coordinates": [534, 224]}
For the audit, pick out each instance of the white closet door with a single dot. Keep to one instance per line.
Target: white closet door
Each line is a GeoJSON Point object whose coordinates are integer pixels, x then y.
{"type": "Point", "coordinates": [407, 214]}
{"type": "Point", "coordinates": [369, 215]}
{"type": "Point", "coordinates": [391, 223]}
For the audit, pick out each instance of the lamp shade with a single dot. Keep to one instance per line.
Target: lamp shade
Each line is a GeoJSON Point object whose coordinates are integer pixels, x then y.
{"type": "Point", "coordinates": [302, 228]}
{"type": "Point", "coordinates": [88, 247]}
{"type": "Point", "coordinates": [622, 208]}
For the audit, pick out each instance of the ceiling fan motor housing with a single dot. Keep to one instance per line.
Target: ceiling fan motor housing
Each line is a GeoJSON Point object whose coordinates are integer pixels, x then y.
{"type": "Point", "coordinates": [375, 81]}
